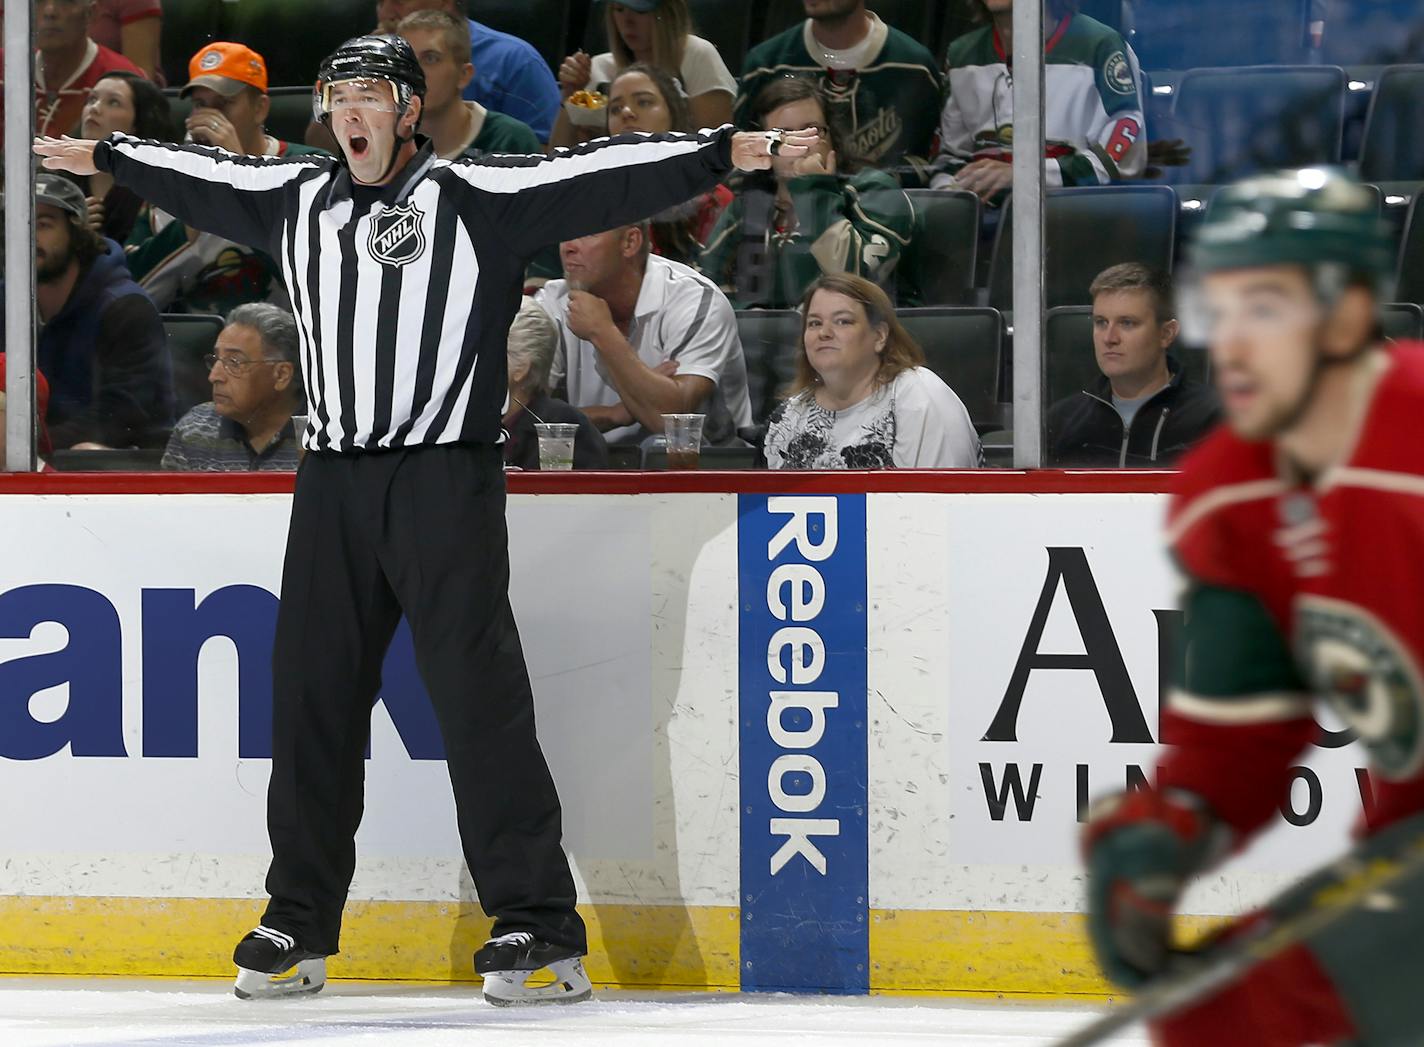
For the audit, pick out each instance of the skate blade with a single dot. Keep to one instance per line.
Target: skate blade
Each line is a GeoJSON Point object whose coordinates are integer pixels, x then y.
{"type": "Point", "coordinates": [306, 978]}
{"type": "Point", "coordinates": [511, 988]}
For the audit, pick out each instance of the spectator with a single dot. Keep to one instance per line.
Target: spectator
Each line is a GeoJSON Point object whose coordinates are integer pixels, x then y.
{"type": "Point", "coordinates": [823, 213]}
{"type": "Point", "coordinates": [657, 33]}
{"type": "Point", "coordinates": [1142, 411]}
{"type": "Point", "coordinates": [120, 102]}
{"type": "Point", "coordinates": [1093, 120]}
{"type": "Point", "coordinates": [533, 341]}
{"type": "Point", "coordinates": [101, 343]}
{"type": "Point", "coordinates": [41, 408]}
{"type": "Point", "coordinates": [862, 398]}
{"type": "Point", "coordinates": [247, 426]}
{"type": "Point", "coordinates": [458, 127]}
{"type": "Point", "coordinates": [879, 83]}
{"type": "Point", "coordinates": [182, 269]}
{"type": "Point", "coordinates": [641, 337]}
{"type": "Point", "coordinates": [67, 64]}
{"type": "Point", "coordinates": [511, 77]}
{"type": "Point", "coordinates": [645, 98]}
{"type": "Point", "coordinates": [133, 28]}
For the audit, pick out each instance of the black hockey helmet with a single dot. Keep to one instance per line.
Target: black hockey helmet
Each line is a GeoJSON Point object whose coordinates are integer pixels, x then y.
{"type": "Point", "coordinates": [387, 58]}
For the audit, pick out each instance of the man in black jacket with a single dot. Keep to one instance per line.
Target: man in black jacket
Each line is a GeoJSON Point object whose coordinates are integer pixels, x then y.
{"type": "Point", "coordinates": [1142, 411]}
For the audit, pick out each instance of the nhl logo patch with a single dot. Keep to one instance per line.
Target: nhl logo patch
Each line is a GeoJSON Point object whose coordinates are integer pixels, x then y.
{"type": "Point", "coordinates": [397, 237]}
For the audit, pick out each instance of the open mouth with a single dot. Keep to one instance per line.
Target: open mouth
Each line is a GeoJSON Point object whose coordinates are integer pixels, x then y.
{"type": "Point", "coordinates": [359, 146]}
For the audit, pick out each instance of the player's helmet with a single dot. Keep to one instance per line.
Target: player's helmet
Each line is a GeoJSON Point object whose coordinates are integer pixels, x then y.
{"type": "Point", "coordinates": [387, 58]}
{"type": "Point", "coordinates": [1314, 217]}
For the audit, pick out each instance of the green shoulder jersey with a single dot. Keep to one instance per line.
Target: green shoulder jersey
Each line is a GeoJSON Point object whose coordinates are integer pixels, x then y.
{"type": "Point", "coordinates": [885, 91]}
{"type": "Point", "coordinates": [1094, 127]}
{"type": "Point", "coordinates": [859, 225]}
{"type": "Point", "coordinates": [503, 134]}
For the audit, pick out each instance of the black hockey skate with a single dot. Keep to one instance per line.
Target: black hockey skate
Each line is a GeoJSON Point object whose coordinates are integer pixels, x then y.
{"type": "Point", "coordinates": [506, 962]}
{"type": "Point", "coordinates": [271, 964]}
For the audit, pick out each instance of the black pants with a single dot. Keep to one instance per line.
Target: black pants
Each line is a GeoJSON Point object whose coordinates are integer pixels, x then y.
{"type": "Point", "coordinates": [420, 531]}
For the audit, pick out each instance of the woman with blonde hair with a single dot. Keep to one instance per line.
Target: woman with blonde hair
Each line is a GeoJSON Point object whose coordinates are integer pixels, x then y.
{"type": "Point", "coordinates": [862, 397]}
{"type": "Point", "coordinates": [657, 33]}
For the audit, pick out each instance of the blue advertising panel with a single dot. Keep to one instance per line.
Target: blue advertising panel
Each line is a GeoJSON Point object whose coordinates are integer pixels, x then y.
{"type": "Point", "coordinates": [802, 721]}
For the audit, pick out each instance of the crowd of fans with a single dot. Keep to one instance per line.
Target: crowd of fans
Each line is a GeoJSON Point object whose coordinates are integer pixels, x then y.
{"type": "Point", "coordinates": [620, 327]}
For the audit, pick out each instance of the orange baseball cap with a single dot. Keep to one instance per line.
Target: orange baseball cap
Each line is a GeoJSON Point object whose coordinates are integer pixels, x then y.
{"type": "Point", "coordinates": [226, 68]}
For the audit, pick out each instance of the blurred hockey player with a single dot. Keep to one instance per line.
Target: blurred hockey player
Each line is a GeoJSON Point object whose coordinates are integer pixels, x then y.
{"type": "Point", "coordinates": [1300, 528]}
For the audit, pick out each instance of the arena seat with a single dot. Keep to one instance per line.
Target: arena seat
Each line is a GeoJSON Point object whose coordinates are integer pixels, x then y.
{"type": "Point", "coordinates": [728, 24]}
{"type": "Point", "coordinates": [1409, 285]}
{"type": "Point", "coordinates": [1239, 121]}
{"type": "Point", "coordinates": [771, 342]}
{"type": "Point", "coordinates": [1393, 148]}
{"type": "Point", "coordinates": [1402, 320]}
{"type": "Point", "coordinates": [290, 113]}
{"type": "Point", "coordinates": [1372, 32]}
{"type": "Point", "coordinates": [191, 336]}
{"type": "Point", "coordinates": [1087, 230]}
{"type": "Point", "coordinates": [544, 23]}
{"type": "Point", "coordinates": [962, 345]}
{"type": "Point", "coordinates": [939, 265]}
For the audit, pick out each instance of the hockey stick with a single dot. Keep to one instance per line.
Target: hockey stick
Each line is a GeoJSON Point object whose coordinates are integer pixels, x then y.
{"type": "Point", "coordinates": [1349, 885]}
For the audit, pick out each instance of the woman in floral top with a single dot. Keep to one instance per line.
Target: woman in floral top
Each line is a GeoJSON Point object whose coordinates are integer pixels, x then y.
{"type": "Point", "coordinates": [861, 398]}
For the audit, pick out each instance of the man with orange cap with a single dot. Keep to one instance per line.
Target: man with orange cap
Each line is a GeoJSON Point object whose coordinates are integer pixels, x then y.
{"type": "Point", "coordinates": [182, 268]}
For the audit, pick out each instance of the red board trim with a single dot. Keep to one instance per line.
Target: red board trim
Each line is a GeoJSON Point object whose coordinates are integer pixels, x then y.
{"type": "Point", "coordinates": [987, 481]}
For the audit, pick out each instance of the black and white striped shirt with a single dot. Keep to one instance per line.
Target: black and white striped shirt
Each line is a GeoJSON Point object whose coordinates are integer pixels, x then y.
{"type": "Point", "coordinates": [404, 293]}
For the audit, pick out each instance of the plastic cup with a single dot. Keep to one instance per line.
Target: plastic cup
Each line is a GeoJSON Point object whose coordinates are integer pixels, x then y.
{"type": "Point", "coordinates": [684, 440]}
{"type": "Point", "coordinates": [299, 426]}
{"type": "Point", "coordinates": [556, 445]}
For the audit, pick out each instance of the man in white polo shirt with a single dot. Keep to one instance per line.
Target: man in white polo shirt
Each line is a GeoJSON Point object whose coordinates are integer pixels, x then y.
{"type": "Point", "coordinates": [641, 336]}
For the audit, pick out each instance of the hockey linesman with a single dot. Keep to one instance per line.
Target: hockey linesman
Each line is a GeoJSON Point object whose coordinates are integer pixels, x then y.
{"type": "Point", "coordinates": [1300, 527]}
{"type": "Point", "coordinates": [405, 272]}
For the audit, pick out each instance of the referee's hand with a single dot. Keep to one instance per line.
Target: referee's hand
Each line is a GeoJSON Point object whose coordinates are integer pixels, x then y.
{"type": "Point", "coordinates": [753, 150]}
{"type": "Point", "coordinates": [75, 155]}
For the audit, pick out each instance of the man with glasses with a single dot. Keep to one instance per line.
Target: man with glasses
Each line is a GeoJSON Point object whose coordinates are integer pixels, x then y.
{"type": "Point", "coordinates": [247, 426]}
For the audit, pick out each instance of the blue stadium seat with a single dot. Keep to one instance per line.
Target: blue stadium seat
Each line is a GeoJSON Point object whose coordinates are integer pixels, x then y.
{"type": "Point", "coordinates": [1393, 146]}
{"type": "Point", "coordinates": [1244, 120]}
{"type": "Point", "coordinates": [1372, 32]}
{"type": "Point", "coordinates": [963, 346]}
{"type": "Point", "coordinates": [1409, 287]}
{"type": "Point", "coordinates": [939, 265]}
{"type": "Point", "coordinates": [1402, 320]}
{"type": "Point", "coordinates": [771, 342]}
{"type": "Point", "coordinates": [191, 336]}
{"type": "Point", "coordinates": [1087, 230]}
{"type": "Point", "coordinates": [1186, 34]}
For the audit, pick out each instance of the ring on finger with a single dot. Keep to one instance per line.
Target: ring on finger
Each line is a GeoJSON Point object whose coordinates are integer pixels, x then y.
{"type": "Point", "coordinates": [774, 141]}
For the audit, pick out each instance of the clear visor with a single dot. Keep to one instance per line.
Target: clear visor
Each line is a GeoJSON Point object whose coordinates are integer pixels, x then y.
{"type": "Point", "coordinates": [377, 96]}
{"type": "Point", "coordinates": [1257, 310]}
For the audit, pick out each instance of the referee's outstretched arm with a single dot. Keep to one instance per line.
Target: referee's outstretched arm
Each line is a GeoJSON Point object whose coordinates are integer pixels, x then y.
{"type": "Point", "coordinates": [609, 182]}
{"type": "Point", "coordinates": [237, 197]}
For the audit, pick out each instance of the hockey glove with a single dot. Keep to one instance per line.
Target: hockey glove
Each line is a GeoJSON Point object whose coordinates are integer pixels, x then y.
{"type": "Point", "coordinates": [1141, 847]}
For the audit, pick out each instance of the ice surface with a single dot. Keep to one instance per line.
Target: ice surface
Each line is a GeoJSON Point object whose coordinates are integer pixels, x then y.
{"type": "Point", "coordinates": [70, 1012]}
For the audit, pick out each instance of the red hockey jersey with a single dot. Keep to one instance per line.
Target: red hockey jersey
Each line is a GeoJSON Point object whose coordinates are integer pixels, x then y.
{"type": "Point", "coordinates": [1304, 592]}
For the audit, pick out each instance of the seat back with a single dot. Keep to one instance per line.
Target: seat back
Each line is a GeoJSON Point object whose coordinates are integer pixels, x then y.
{"type": "Point", "coordinates": [290, 112]}
{"type": "Point", "coordinates": [191, 336]}
{"type": "Point", "coordinates": [1393, 147]}
{"type": "Point", "coordinates": [1257, 118]}
{"type": "Point", "coordinates": [1087, 230]}
{"type": "Point", "coordinates": [771, 343]}
{"type": "Point", "coordinates": [544, 23]}
{"type": "Point", "coordinates": [293, 38]}
{"type": "Point", "coordinates": [1409, 286]}
{"type": "Point", "coordinates": [962, 346]}
{"type": "Point", "coordinates": [939, 265]}
{"type": "Point", "coordinates": [1402, 321]}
